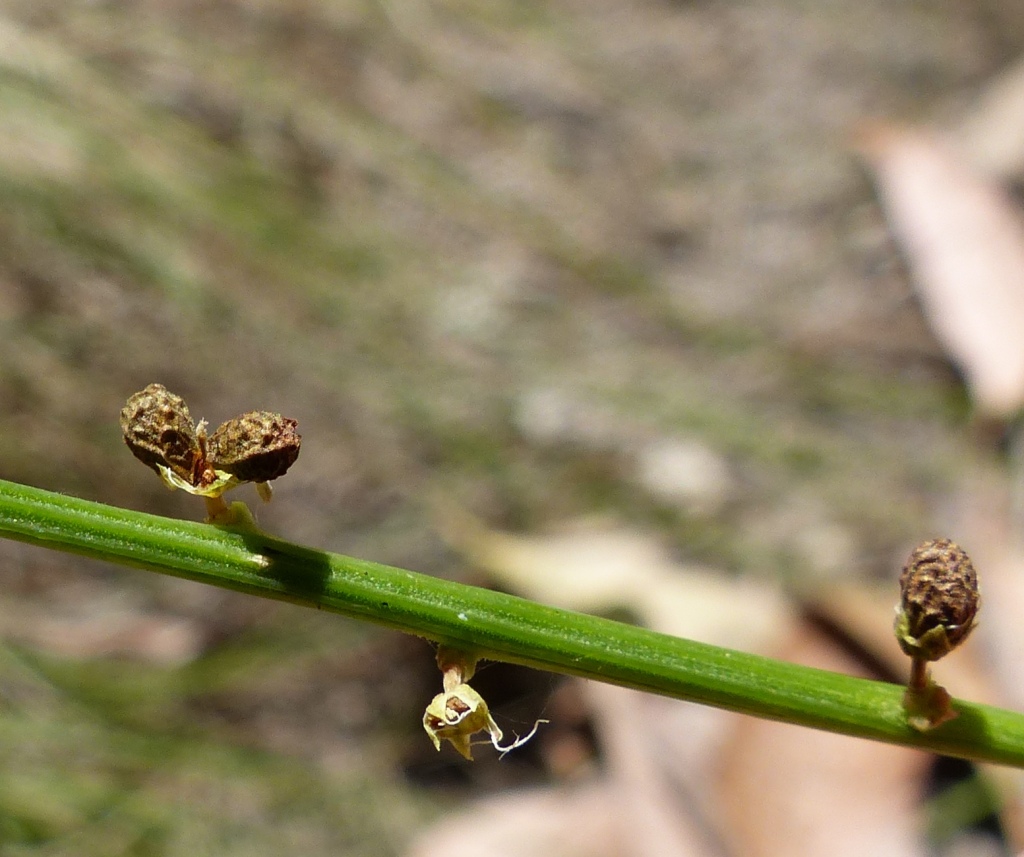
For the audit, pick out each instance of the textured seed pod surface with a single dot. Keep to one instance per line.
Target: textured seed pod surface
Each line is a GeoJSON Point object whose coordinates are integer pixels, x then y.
{"type": "Point", "coordinates": [158, 429]}
{"type": "Point", "coordinates": [256, 447]}
{"type": "Point", "coordinates": [938, 599]}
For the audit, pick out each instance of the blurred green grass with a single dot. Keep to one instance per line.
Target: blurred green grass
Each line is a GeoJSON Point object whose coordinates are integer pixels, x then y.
{"type": "Point", "coordinates": [401, 223]}
{"type": "Point", "coordinates": [116, 757]}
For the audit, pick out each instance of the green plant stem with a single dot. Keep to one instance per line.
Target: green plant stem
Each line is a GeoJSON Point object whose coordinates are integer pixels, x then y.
{"type": "Point", "coordinates": [501, 627]}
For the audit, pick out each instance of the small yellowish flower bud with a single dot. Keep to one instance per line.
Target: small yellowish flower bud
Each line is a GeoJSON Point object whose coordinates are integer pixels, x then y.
{"type": "Point", "coordinates": [459, 713]}
{"type": "Point", "coordinates": [456, 715]}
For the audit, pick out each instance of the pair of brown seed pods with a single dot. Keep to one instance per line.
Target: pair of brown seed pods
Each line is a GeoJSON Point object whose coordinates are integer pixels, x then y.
{"type": "Point", "coordinates": [257, 446]}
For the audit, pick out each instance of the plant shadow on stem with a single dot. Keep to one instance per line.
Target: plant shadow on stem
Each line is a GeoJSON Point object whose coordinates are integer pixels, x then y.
{"type": "Point", "coordinates": [302, 573]}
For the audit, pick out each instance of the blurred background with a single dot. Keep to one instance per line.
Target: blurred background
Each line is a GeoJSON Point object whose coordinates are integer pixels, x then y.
{"type": "Point", "coordinates": [616, 305]}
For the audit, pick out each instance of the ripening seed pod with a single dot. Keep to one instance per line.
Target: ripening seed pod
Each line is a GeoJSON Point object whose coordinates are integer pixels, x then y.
{"type": "Point", "coordinates": [938, 600]}
{"type": "Point", "coordinates": [159, 430]}
{"type": "Point", "coordinates": [256, 447]}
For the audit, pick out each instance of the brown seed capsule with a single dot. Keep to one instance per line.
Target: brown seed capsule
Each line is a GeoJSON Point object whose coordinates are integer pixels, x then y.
{"type": "Point", "coordinates": [158, 430]}
{"type": "Point", "coordinates": [938, 600]}
{"type": "Point", "coordinates": [256, 447]}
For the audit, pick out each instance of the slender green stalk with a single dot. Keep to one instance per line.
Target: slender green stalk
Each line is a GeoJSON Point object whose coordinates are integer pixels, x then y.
{"type": "Point", "coordinates": [501, 627]}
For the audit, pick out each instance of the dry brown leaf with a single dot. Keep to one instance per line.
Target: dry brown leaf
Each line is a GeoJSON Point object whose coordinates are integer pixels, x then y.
{"type": "Point", "coordinates": [964, 241]}
{"type": "Point", "coordinates": [577, 822]}
{"type": "Point", "coordinates": [598, 569]}
{"type": "Point", "coordinates": [788, 791]}
{"type": "Point", "coordinates": [663, 802]}
{"type": "Point", "coordinates": [989, 518]}
{"type": "Point", "coordinates": [991, 134]}
{"type": "Point", "coordinates": [584, 568]}
{"type": "Point", "coordinates": [984, 510]}
{"type": "Point", "coordinates": [1003, 641]}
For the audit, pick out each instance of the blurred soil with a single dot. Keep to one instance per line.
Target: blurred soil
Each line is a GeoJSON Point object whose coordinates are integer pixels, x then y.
{"type": "Point", "coordinates": [544, 260]}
